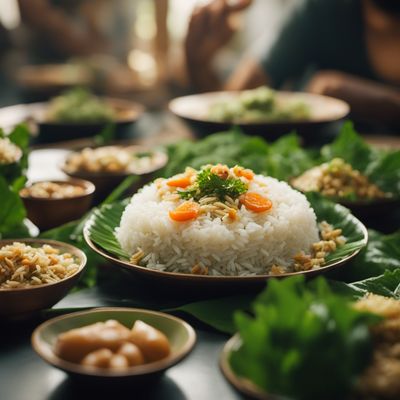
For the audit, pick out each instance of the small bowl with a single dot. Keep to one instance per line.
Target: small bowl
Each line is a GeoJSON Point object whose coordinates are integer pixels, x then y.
{"type": "Point", "coordinates": [106, 182]}
{"type": "Point", "coordinates": [23, 302]}
{"type": "Point", "coordinates": [243, 385]}
{"type": "Point", "coordinates": [47, 213]}
{"type": "Point", "coordinates": [181, 336]}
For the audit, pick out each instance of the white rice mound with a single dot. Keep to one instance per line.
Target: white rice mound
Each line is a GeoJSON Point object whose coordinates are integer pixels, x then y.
{"type": "Point", "coordinates": [249, 245]}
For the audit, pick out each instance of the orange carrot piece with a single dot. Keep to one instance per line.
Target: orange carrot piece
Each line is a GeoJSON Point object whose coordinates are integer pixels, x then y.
{"type": "Point", "coordinates": [185, 212]}
{"type": "Point", "coordinates": [247, 173]}
{"type": "Point", "coordinates": [181, 182]}
{"type": "Point", "coordinates": [255, 202]}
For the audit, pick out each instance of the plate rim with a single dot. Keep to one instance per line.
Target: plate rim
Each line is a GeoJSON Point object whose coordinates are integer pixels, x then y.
{"type": "Point", "coordinates": [346, 110]}
{"type": "Point", "coordinates": [211, 278]}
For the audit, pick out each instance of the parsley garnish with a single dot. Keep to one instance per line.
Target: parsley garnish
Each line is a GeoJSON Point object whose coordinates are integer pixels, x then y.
{"type": "Point", "coordinates": [209, 184]}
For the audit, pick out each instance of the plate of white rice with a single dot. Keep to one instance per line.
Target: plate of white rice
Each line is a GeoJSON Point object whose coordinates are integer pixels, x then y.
{"type": "Point", "coordinates": [224, 224]}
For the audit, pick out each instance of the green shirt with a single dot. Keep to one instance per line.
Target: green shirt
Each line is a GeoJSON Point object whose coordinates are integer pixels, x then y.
{"type": "Point", "coordinates": [320, 34]}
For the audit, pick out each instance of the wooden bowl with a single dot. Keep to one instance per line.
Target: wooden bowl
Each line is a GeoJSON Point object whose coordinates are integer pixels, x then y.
{"type": "Point", "coordinates": [23, 302]}
{"type": "Point", "coordinates": [47, 213]}
{"type": "Point", "coordinates": [181, 336]}
{"type": "Point", "coordinates": [105, 182]}
{"type": "Point", "coordinates": [243, 385]}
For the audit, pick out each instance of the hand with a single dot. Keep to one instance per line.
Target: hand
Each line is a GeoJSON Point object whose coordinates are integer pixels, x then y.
{"type": "Point", "coordinates": [210, 29]}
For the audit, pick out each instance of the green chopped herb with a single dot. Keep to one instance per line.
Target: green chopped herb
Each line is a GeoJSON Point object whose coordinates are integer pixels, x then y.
{"type": "Point", "coordinates": [210, 184]}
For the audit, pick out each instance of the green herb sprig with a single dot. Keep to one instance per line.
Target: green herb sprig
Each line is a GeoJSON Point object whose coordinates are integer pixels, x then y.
{"type": "Point", "coordinates": [301, 343]}
{"type": "Point", "coordinates": [210, 184]}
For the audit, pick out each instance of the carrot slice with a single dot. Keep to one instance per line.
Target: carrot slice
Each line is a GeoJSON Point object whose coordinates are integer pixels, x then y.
{"type": "Point", "coordinates": [255, 202]}
{"type": "Point", "coordinates": [247, 173]}
{"type": "Point", "coordinates": [182, 182]}
{"type": "Point", "coordinates": [185, 212]}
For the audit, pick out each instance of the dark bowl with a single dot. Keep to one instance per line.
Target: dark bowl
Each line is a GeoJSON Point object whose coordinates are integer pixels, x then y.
{"type": "Point", "coordinates": [106, 182]}
{"type": "Point", "coordinates": [35, 114]}
{"type": "Point", "coordinates": [47, 213]}
{"type": "Point", "coordinates": [181, 336]}
{"type": "Point", "coordinates": [326, 116]}
{"type": "Point", "coordinates": [22, 302]}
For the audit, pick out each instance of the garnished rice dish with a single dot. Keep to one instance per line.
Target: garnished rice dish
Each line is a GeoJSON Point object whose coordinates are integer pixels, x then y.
{"type": "Point", "coordinates": [223, 221]}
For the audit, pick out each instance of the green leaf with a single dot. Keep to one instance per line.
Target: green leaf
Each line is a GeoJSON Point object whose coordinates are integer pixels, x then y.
{"type": "Point", "coordinates": [282, 341]}
{"type": "Point", "coordinates": [350, 147]}
{"type": "Point", "coordinates": [217, 313]}
{"type": "Point", "coordinates": [119, 191]}
{"type": "Point", "coordinates": [381, 254]}
{"type": "Point", "coordinates": [12, 210]}
{"type": "Point", "coordinates": [384, 171]}
{"type": "Point", "coordinates": [283, 159]}
{"type": "Point", "coordinates": [106, 136]}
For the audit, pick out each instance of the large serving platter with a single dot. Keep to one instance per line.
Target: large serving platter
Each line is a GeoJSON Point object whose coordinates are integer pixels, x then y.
{"type": "Point", "coordinates": [325, 111]}
{"type": "Point", "coordinates": [99, 235]}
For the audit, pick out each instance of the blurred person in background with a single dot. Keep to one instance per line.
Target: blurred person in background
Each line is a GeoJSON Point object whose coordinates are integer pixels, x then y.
{"type": "Point", "coordinates": [60, 29]}
{"type": "Point", "coordinates": [92, 33]}
{"type": "Point", "coordinates": [349, 49]}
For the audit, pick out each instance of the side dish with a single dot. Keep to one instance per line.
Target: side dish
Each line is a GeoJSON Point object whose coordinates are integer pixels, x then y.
{"type": "Point", "coordinates": [111, 159]}
{"type": "Point", "coordinates": [79, 106]}
{"type": "Point", "coordinates": [338, 179]}
{"type": "Point", "coordinates": [22, 265]}
{"type": "Point", "coordinates": [9, 152]}
{"type": "Point", "coordinates": [311, 343]}
{"type": "Point", "coordinates": [52, 190]}
{"type": "Point", "coordinates": [111, 345]}
{"type": "Point", "coordinates": [224, 221]}
{"type": "Point", "coordinates": [258, 105]}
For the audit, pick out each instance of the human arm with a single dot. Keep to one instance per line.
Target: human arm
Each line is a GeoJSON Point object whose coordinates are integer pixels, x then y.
{"type": "Point", "coordinates": [369, 101]}
{"type": "Point", "coordinates": [210, 28]}
{"type": "Point", "coordinates": [41, 16]}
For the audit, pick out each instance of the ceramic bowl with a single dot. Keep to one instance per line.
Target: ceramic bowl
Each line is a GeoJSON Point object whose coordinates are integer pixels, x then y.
{"type": "Point", "coordinates": [181, 336]}
{"type": "Point", "coordinates": [105, 182]}
{"type": "Point", "coordinates": [23, 302]}
{"type": "Point", "coordinates": [47, 213]}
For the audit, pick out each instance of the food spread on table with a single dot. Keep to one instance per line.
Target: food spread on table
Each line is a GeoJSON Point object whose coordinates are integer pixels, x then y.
{"type": "Point", "coordinates": [225, 209]}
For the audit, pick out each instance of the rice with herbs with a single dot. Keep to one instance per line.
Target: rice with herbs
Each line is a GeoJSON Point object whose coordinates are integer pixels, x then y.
{"type": "Point", "coordinates": [22, 265]}
{"type": "Point", "coordinates": [226, 238]}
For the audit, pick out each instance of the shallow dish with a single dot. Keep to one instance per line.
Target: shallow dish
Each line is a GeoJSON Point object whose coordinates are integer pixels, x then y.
{"type": "Point", "coordinates": [22, 302]}
{"type": "Point", "coordinates": [325, 111]}
{"type": "Point", "coordinates": [243, 385]}
{"type": "Point", "coordinates": [103, 223]}
{"type": "Point", "coordinates": [105, 182]}
{"type": "Point", "coordinates": [127, 113]}
{"type": "Point", "coordinates": [181, 336]}
{"type": "Point", "coordinates": [47, 213]}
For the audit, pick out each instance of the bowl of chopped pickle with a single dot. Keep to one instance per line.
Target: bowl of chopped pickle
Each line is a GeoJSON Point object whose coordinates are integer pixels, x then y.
{"type": "Point", "coordinates": [339, 181]}
{"type": "Point", "coordinates": [63, 200]}
{"type": "Point", "coordinates": [35, 274]}
{"type": "Point", "coordinates": [107, 166]}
